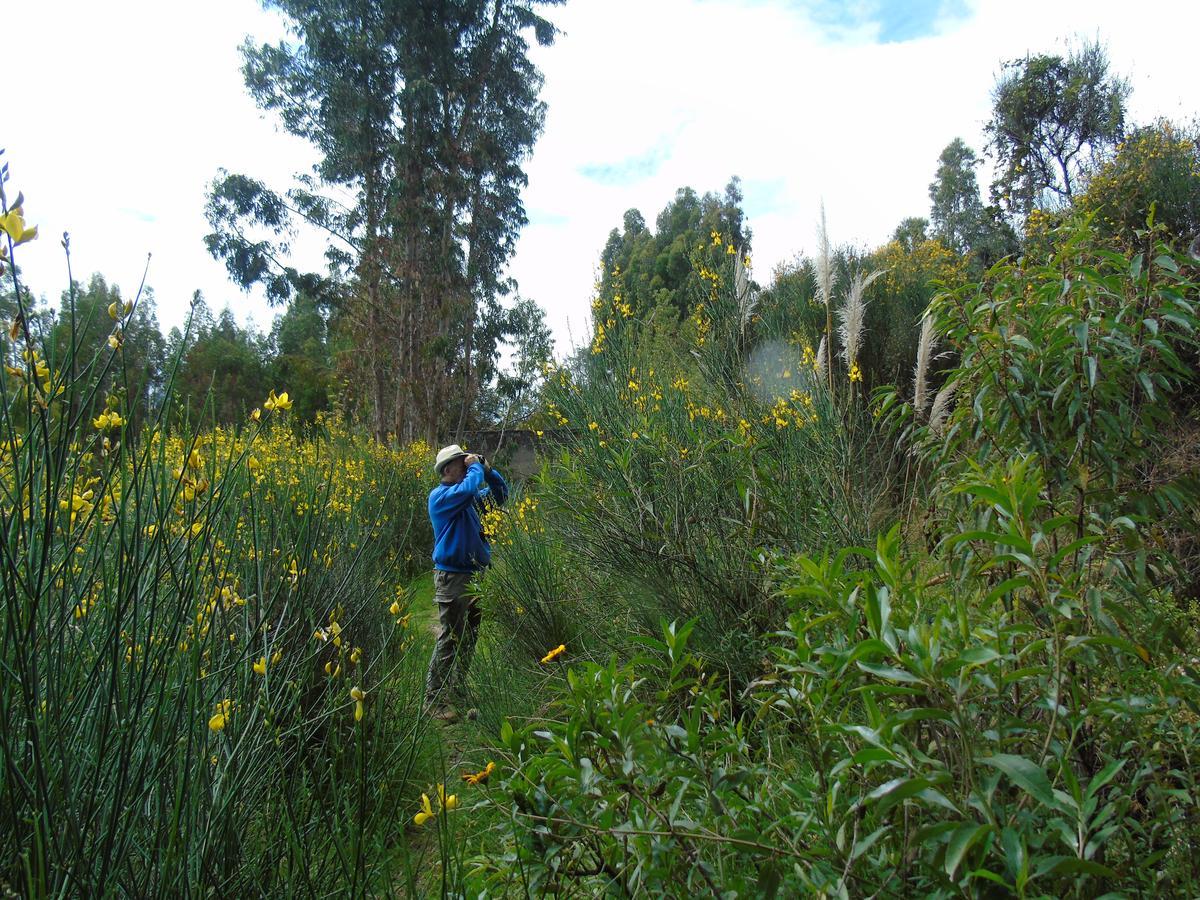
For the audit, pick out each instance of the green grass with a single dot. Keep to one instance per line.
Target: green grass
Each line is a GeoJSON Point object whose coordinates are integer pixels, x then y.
{"type": "Point", "coordinates": [457, 748]}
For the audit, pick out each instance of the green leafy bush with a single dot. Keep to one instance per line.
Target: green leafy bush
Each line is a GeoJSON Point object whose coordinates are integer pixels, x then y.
{"type": "Point", "coordinates": [209, 685]}
{"type": "Point", "coordinates": [1155, 174]}
{"type": "Point", "coordinates": [998, 698]}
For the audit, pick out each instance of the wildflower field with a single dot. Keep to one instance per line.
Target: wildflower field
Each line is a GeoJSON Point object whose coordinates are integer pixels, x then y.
{"type": "Point", "coordinates": [880, 581]}
{"type": "Point", "coordinates": [819, 641]}
{"type": "Point", "coordinates": [209, 671]}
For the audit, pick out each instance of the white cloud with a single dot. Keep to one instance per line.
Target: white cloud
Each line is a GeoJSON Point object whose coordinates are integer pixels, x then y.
{"type": "Point", "coordinates": [761, 92]}
{"type": "Point", "coordinates": [130, 108]}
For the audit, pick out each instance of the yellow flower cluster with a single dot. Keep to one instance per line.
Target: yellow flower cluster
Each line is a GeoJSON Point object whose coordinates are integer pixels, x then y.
{"type": "Point", "coordinates": [197, 473]}
{"type": "Point", "coordinates": [12, 223]}
{"type": "Point", "coordinates": [260, 666]}
{"type": "Point", "coordinates": [608, 311]}
{"type": "Point", "coordinates": [445, 804]}
{"type": "Point", "coordinates": [221, 717]}
{"type": "Point", "coordinates": [281, 403]}
{"type": "Point", "coordinates": [644, 396]}
{"type": "Point", "coordinates": [928, 261]}
{"type": "Point", "coordinates": [499, 523]}
{"type": "Point", "coordinates": [478, 778]}
{"type": "Point", "coordinates": [696, 411]}
{"type": "Point", "coordinates": [794, 411]}
{"type": "Point", "coordinates": [343, 651]}
{"type": "Point", "coordinates": [703, 323]}
{"type": "Point", "coordinates": [107, 420]}
{"type": "Point", "coordinates": [399, 605]}
{"type": "Point", "coordinates": [1157, 164]}
{"type": "Point", "coordinates": [45, 384]}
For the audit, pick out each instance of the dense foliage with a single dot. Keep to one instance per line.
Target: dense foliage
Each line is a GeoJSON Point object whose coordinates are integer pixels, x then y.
{"type": "Point", "coordinates": [209, 680]}
{"type": "Point", "coordinates": [422, 115]}
{"type": "Point", "coordinates": [879, 579]}
{"type": "Point", "coordinates": [993, 693]}
{"type": "Point", "coordinates": [1052, 119]}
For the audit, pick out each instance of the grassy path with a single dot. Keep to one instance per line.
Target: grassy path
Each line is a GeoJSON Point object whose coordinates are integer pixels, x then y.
{"type": "Point", "coordinates": [458, 737]}
{"type": "Point", "coordinates": [457, 748]}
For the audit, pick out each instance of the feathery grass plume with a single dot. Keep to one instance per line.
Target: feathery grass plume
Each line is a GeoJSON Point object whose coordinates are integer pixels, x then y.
{"type": "Point", "coordinates": [925, 346]}
{"type": "Point", "coordinates": [825, 285]}
{"type": "Point", "coordinates": [743, 291]}
{"type": "Point", "coordinates": [853, 315]}
{"type": "Point", "coordinates": [941, 407]}
{"type": "Point", "coordinates": [826, 277]}
{"type": "Point", "coordinates": [822, 368]}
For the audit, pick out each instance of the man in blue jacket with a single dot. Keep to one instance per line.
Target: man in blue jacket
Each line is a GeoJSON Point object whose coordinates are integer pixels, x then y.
{"type": "Point", "coordinates": [460, 549]}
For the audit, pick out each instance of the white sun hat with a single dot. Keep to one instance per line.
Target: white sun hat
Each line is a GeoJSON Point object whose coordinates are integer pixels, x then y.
{"type": "Point", "coordinates": [446, 454]}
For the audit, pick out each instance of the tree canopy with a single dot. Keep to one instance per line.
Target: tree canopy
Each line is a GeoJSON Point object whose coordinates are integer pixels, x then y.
{"type": "Point", "coordinates": [1053, 118]}
{"type": "Point", "coordinates": [423, 116]}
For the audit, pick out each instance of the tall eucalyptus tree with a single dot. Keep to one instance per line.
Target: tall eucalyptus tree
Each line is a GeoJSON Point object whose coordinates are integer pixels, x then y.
{"type": "Point", "coordinates": [423, 114]}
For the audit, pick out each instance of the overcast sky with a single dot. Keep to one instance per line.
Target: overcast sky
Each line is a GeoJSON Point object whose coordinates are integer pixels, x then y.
{"type": "Point", "coordinates": [117, 116]}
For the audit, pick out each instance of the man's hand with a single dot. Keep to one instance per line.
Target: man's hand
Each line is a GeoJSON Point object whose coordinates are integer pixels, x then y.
{"type": "Point", "coordinates": [471, 459]}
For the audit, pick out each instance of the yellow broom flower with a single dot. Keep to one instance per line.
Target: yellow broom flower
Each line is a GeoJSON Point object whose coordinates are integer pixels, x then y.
{"type": "Point", "coordinates": [447, 803]}
{"type": "Point", "coordinates": [220, 719]}
{"type": "Point", "coordinates": [477, 778]}
{"type": "Point", "coordinates": [281, 403]}
{"type": "Point", "coordinates": [426, 812]}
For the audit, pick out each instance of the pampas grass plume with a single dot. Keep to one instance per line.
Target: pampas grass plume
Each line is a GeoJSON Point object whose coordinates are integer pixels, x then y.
{"type": "Point", "coordinates": [853, 316]}
{"type": "Point", "coordinates": [941, 407]}
{"type": "Point", "coordinates": [925, 346]}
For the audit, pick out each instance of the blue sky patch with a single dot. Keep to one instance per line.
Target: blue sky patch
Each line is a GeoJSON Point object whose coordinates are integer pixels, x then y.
{"type": "Point", "coordinates": [630, 170]}
{"type": "Point", "coordinates": [763, 196]}
{"type": "Point", "coordinates": [896, 20]}
{"type": "Point", "coordinates": [546, 217]}
{"type": "Point", "coordinates": [138, 214]}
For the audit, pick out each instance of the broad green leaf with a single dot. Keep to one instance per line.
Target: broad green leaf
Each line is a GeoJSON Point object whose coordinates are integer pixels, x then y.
{"type": "Point", "coordinates": [865, 844]}
{"type": "Point", "coordinates": [1111, 640]}
{"type": "Point", "coordinates": [1026, 775]}
{"type": "Point", "coordinates": [889, 672]}
{"type": "Point", "coordinates": [989, 875]}
{"type": "Point", "coordinates": [1165, 262]}
{"type": "Point", "coordinates": [1007, 586]}
{"type": "Point", "coordinates": [1080, 330]}
{"type": "Point", "coordinates": [978, 655]}
{"type": "Point", "coordinates": [1104, 776]}
{"type": "Point", "coordinates": [868, 647]}
{"type": "Point", "coordinates": [1014, 851]}
{"type": "Point", "coordinates": [872, 755]}
{"type": "Point", "coordinates": [937, 798]}
{"type": "Point", "coordinates": [896, 791]}
{"type": "Point", "coordinates": [960, 842]}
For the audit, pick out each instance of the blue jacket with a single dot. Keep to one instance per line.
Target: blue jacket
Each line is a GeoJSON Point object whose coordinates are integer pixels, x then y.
{"type": "Point", "coordinates": [459, 544]}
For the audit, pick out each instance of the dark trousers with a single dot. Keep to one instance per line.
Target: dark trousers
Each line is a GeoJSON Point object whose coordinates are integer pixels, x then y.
{"type": "Point", "coordinates": [459, 617]}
